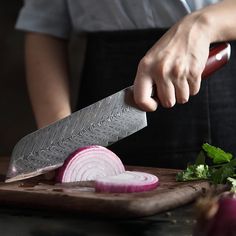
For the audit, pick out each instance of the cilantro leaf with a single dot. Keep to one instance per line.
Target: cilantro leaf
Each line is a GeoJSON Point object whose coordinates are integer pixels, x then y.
{"type": "Point", "coordinates": [217, 154]}
{"type": "Point", "coordinates": [193, 172]}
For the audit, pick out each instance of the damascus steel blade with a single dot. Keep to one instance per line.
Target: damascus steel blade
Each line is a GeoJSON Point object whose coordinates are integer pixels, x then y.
{"type": "Point", "coordinates": [102, 123]}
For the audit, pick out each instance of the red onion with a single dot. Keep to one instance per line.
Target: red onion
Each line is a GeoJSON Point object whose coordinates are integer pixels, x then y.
{"type": "Point", "coordinates": [89, 163]}
{"type": "Point", "coordinates": [127, 182]}
{"type": "Point", "coordinates": [222, 222]}
{"type": "Point", "coordinates": [106, 169]}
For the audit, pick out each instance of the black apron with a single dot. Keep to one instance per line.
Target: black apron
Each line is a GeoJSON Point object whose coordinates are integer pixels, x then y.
{"type": "Point", "coordinates": [173, 136]}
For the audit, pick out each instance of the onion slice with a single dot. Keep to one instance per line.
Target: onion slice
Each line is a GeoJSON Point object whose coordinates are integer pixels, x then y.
{"type": "Point", "coordinates": [90, 163]}
{"type": "Point", "coordinates": [127, 182]}
{"type": "Point", "coordinates": [105, 168]}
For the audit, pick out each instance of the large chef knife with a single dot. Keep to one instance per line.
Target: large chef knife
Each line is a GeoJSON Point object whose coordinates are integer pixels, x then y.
{"type": "Point", "coordinates": [102, 123]}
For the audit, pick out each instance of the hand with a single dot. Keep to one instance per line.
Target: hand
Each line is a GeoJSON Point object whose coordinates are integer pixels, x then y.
{"type": "Point", "coordinates": [174, 65]}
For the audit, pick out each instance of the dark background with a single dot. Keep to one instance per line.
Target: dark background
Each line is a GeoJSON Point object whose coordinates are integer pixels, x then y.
{"type": "Point", "coordinates": [16, 117]}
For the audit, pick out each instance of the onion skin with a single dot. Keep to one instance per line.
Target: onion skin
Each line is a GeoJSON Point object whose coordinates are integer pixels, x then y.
{"type": "Point", "coordinates": [223, 222]}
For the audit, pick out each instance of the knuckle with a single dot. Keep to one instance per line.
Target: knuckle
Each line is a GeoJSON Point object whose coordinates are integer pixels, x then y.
{"type": "Point", "coordinates": [145, 63]}
{"type": "Point", "coordinates": [178, 71]}
{"type": "Point", "coordinates": [161, 70]}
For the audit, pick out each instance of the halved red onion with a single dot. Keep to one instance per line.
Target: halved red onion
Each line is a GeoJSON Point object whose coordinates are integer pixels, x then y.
{"type": "Point", "coordinates": [127, 182]}
{"type": "Point", "coordinates": [90, 163]}
{"type": "Point", "coordinates": [217, 216]}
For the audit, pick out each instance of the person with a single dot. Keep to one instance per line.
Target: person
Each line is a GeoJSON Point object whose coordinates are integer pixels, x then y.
{"type": "Point", "coordinates": [145, 43]}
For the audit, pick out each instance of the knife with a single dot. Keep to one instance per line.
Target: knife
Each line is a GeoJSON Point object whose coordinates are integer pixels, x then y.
{"type": "Point", "coordinates": [102, 123]}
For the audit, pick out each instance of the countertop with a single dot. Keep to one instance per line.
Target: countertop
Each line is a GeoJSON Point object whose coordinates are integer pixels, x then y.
{"type": "Point", "coordinates": [36, 223]}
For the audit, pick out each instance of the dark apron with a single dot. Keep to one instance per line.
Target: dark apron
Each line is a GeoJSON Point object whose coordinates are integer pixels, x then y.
{"type": "Point", "coordinates": [173, 136]}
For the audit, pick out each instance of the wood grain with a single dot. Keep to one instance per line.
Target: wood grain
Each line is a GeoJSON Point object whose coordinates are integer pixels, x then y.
{"type": "Point", "coordinates": [80, 198]}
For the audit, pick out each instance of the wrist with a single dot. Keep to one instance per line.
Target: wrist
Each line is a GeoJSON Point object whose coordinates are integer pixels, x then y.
{"type": "Point", "coordinates": [218, 20]}
{"type": "Point", "coordinates": [204, 24]}
{"type": "Point", "coordinates": [210, 26]}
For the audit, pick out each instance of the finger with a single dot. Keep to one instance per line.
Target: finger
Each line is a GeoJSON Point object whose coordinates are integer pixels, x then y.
{"type": "Point", "coordinates": [143, 90]}
{"type": "Point", "coordinates": [182, 91]}
{"type": "Point", "coordinates": [194, 80]}
{"type": "Point", "coordinates": [194, 76]}
{"type": "Point", "coordinates": [165, 89]}
{"type": "Point", "coordinates": [194, 86]}
{"type": "Point", "coordinates": [178, 73]}
{"type": "Point", "coordinates": [166, 93]}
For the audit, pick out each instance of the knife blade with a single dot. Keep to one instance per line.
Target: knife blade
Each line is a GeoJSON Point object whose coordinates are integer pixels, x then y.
{"type": "Point", "coordinates": [102, 123]}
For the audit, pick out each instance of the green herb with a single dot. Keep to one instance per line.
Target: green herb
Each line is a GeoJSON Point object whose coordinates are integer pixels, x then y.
{"type": "Point", "coordinates": [224, 167]}
{"type": "Point", "coordinates": [194, 172]}
{"type": "Point", "coordinates": [218, 155]}
{"type": "Point", "coordinates": [219, 176]}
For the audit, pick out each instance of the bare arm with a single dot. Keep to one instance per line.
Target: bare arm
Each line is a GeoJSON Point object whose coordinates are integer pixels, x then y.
{"type": "Point", "coordinates": [175, 63]}
{"type": "Point", "coordinates": [47, 77]}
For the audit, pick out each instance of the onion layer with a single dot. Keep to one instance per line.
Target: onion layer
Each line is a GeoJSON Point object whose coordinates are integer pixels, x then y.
{"type": "Point", "coordinates": [90, 163]}
{"type": "Point", "coordinates": [101, 165]}
{"type": "Point", "coordinates": [127, 182]}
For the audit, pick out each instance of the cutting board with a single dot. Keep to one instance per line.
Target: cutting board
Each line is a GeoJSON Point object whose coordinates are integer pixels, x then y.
{"type": "Point", "coordinates": [80, 198]}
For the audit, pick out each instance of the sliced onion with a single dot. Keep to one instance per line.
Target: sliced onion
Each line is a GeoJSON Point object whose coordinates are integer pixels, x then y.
{"type": "Point", "coordinates": [105, 168]}
{"type": "Point", "coordinates": [127, 182]}
{"type": "Point", "coordinates": [90, 163]}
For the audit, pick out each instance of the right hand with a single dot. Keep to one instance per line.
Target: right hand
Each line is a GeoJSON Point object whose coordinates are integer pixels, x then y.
{"type": "Point", "coordinates": [174, 64]}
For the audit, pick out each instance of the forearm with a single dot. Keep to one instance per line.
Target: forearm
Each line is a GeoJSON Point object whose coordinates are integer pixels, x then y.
{"type": "Point", "coordinates": [47, 77]}
{"type": "Point", "coordinates": [220, 20]}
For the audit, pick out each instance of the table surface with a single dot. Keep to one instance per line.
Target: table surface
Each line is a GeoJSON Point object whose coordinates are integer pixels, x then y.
{"type": "Point", "coordinates": [36, 223]}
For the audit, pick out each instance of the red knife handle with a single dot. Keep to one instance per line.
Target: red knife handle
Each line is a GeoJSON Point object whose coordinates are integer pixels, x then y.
{"type": "Point", "coordinates": [218, 56]}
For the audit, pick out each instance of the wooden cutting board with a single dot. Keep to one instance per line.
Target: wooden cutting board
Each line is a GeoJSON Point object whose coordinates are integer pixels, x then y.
{"type": "Point", "coordinates": [44, 194]}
